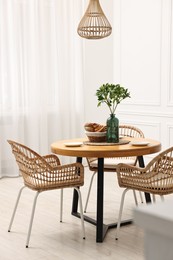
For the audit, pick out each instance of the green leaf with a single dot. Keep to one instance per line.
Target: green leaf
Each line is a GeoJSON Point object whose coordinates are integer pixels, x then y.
{"type": "Point", "coordinates": [112, 95]}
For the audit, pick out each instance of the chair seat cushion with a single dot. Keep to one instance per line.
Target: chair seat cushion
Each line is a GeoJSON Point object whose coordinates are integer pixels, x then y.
{"type": "Point", "coordinates": [111, 163]}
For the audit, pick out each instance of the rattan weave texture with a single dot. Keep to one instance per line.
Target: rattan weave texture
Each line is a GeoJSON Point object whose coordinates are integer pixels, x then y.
{"type": "Point", "coordinates": [155, 178]}
{"type": "Point", "coordinates": [125, 131]}
{"type": "Point", "coordinates": [42, 173]}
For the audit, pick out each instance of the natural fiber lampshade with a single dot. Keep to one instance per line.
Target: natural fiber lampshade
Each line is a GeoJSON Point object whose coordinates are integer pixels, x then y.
{"type": "Point", "coordinates": [94, 24]}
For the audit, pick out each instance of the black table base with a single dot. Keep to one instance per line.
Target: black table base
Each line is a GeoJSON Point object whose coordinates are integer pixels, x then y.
{"type": "Point", "coordinates": [101, 228]}
{"type": "Point", "coordinates": [105, 227]}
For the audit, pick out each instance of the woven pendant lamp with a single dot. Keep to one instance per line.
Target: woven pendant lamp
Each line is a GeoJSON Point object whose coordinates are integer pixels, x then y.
{"type": "Point", "coordinates": [94, 24]}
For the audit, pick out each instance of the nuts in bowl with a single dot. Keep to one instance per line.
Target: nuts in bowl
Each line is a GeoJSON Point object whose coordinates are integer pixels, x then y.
{"type": "Point", "coordinates": [96, 133]}
{"type": "Point", "coordinates": [96, 137]}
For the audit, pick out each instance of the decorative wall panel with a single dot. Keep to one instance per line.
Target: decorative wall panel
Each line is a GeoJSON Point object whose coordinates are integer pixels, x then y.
{"type": "Point", "coordinates": [143, 62]}
{"type": "Point", "coordinates": [140, 48]}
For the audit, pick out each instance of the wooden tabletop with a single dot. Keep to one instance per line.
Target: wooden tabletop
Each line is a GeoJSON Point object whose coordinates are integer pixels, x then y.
{"type": "Point", "coordinates": [122, 150]}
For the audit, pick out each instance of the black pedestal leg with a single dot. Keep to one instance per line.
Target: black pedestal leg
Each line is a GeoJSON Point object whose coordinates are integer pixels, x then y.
{"type": "Point", "coordinates": [100, 192]}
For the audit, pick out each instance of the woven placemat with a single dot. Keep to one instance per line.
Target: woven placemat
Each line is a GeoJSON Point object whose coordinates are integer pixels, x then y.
{"type": "Point", "coordinates": [108, 144]}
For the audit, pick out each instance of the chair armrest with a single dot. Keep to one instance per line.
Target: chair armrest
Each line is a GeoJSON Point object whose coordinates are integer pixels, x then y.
{"type": "Point", "coordinates": [68, 175]}
{"type": "Point", "coordinates": [128, 175]}
{"type": "Point", "coordinates": [62, 176]}
{"type": "Point", "coordinates": [122, 166]}
{"type": "Point", "coordinates": [78, 167]}
{"type": "Point", "coordinates": [52, 159]}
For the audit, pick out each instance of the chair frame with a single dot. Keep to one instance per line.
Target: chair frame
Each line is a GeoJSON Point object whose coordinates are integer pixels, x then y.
{"type": "Point", "coordinates": [126, 131]}
{"type": "Point", "coordinates": [156, 178]}
{"type": "Point", "coordinates": [43, 173]}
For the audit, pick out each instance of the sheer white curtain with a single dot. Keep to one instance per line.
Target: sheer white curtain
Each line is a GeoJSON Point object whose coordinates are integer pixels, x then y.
{"type": "Point", "coordinates": [41, 76]}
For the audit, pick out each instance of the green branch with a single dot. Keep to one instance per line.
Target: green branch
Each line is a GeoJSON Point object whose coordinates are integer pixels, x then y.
{"type": "Point", "coordinates": [111, 95]}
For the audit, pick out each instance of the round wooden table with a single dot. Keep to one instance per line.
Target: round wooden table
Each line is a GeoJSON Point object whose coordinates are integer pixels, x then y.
{"type": "Point", "coordinates": [101, 152]}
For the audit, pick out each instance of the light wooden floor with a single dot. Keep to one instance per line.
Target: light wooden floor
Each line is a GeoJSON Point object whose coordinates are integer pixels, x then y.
{"type": "Point", "coordinates": [51, 239]}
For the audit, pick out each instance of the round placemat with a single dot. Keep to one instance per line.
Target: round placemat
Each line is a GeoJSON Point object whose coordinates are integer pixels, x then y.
{"type": "Point", "coordinates": [108, 144]}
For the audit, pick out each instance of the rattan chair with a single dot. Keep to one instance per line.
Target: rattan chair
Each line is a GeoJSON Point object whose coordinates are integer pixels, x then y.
{"type": "Point", "coordinates": [156, 178]}
{"type": "Point", "coordinates": [43, 173]}
{"type": "Point", "coordinates": [110, 164]}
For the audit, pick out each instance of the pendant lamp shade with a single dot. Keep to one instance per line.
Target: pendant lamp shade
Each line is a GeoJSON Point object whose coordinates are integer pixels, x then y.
{"type": "Point", "coordinates": [94, 24]}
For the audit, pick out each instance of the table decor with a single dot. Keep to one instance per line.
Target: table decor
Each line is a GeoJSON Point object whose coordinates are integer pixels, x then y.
{"type": "Point", "coordinates": [73, 144]}
{"type": "Point", "coordinates": [105, 143]}
{"type": "Point", "coordinates": [112, 95]}
{"type": "Point", "coordinates": [95, 132]}
{"type": "Point", "coordinates": [140, 143]}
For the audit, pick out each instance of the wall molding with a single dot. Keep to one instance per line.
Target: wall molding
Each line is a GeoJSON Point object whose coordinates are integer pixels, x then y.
{"type": "Point", "coordinates": [145, 123]}
{"type": "Point", "coordinates": [169, 128]}
{"type": "Point", "coordinates": [121, 72]}
{"type": "Point", "coordinates": [142, 103]}
{"type": "Point", "coordinates": [169, 101]}
{"type": "Point", "coordinates": [146, 113]}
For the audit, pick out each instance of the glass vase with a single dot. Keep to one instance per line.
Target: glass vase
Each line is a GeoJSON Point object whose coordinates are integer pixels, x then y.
{"type": "Point", "coordinates": [112, 134]}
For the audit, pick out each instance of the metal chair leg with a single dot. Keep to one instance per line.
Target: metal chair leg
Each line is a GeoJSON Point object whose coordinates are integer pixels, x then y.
{"type": "Point", "coordinates": [162, 198]}
{"type": "Point", "coordinates": [31, 220]}
{"type": "Point", "coordinates": [140, 194]}
{"type": "Point", "coordinates": [134, 194]}
{"type": "Point", "coordinates": [61, 205]}
{"type": "Point", "coordinates": [81, 211]}
{"type": "Point", "coordinates": [89, 191]}
{"type": "Point", "coordinates": [15, 208]}
{"type": "Point", "coordinates": [120, 212]}
{"type": "Point", "coordinates": [135, 197]}
{"type": "Point", "coordinates": [154, 198]}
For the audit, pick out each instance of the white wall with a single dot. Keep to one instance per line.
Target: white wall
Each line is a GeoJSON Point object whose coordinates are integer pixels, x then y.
{"type": "Point", "coordinates": [98, 68]}
{"type": "Point", "coordinates": [138, 55]}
